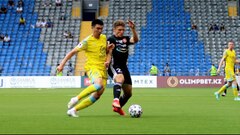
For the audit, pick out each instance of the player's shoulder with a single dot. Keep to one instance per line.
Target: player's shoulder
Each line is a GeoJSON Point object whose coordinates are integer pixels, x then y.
{"type": "Point", "coordinates": [87, 38]}
{"type": "Point", "coordinates": [111, 37]}
{"type": "Point", "coordinates": [231, 51]}
{"type": "Point", "coordinates": [226, 51]}
{"type": "Point", "coordinates": [234, 51]}
{"type": "Point", "coordinates": [103, 36]}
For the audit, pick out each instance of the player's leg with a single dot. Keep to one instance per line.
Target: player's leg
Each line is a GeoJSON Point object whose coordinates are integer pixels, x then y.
{"type": "Point", "coordinates": [235, 91]}
{"type": "Point", "coordinates": [127, 88]}
{"type": "Point", "coordinates": [89, 100]}
{"type": "Point", "coordinates": [229, 79]}
{"type": "Point", "coordinates": [118, 81]}
{"type": "Point", "coordinates": [238, 89]}
{"type": "Point", "coordinates": [98, 86]}
{"type": "Point", "coordinates": [94, 96]}
{"type": "Point", "coordinates": [127, 94]}
{"type": "Point", "coordinates": [127, 91]}
{"type": "Point", "coordinates": [95, 86]}
{"type": "Point", "coordinates": [225, 91]}
{"type": "Point", "coordinates": [232, 78]}
{"type": "Point", "coordinates": [224, 87]}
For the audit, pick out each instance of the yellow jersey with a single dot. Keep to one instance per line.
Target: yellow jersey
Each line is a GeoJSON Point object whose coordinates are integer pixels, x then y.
{"type": "Point", "coordinates": [95, 50]}
{"type": "Point", "coordinates": [230, 59]}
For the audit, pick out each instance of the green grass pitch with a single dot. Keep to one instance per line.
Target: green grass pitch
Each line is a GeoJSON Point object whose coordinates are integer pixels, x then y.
{"type": "Point", "coordinates": [182, 110]}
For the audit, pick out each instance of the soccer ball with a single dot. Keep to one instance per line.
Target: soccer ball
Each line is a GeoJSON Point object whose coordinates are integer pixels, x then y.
{"type": "Point", "coordinates": [135, 111]}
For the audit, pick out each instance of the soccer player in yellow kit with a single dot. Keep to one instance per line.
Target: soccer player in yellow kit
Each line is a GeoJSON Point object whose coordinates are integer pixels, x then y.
{"type": "Point", "coordinates": [98, 55]}
{"type": "Point", "coordinates": [229, 56]}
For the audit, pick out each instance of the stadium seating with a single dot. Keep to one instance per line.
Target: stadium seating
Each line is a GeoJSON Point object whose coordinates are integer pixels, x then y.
{"type": "Point", "coordinates": [24, 56]}
{"type": "Point", "coordinates": [164, 27]}
{"type": "Point", "coordinates": [213, 11]}
{"type": "Point", "coordinates": [36, 51]}
{"type": "Point", "coordinates": [165, 36]}
{"type": "Point", "coordinates": [55, 44]}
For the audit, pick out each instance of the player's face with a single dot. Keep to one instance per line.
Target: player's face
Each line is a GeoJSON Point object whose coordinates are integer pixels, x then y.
{"type": "Point", "coordinates": [119, 31]}
{"type": "Point", "coordinates": [97, 30]}
{"type": "Point", "coordinates": [230, 45]}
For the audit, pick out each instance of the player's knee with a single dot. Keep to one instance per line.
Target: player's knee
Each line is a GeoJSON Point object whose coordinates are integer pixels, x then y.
{"type": "Point", "coordinates": [118, 84]}
{"type": "Point", "coordinates": [234, 85]}
{"type": "Point", "coordinates": [119, 78]}
{"type": "Point", "coordinates": [227, 84]}
{"type": "Point", "coordinates": [98, 86]}
{"type": "Point", "coordinates": [98, 94]}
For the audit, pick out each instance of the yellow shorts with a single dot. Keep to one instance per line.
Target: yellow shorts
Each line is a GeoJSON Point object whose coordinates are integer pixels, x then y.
{"type": "Point", "coordinates": [95, 73]}
{"type": "Point", "coordinates": [230, 75]}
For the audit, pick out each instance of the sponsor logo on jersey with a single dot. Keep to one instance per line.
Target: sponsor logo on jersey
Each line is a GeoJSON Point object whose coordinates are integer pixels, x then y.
{"type": "Point", "coordinates": [80, 45]}
{"type": "Point", "coordinates": [124, 40]}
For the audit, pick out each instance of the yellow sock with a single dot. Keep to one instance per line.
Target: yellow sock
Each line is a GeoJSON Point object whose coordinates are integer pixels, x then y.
{"type": "Point", "coordinates": [224, 87]}
{"type": "Point", "coordinates": [235, 92]}
{"type": "Point", "coordinates": [90, 89]}
{"type": "Point", "coordinates": [85, 103]}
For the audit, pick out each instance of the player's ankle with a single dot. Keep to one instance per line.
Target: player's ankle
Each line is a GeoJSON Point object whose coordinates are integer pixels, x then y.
{"type": "Point", "coordinates": [116, 99]}
{"type": "Point", "coordinates": [74, 109]}
{"type": "Point", "coordinates": [77, 98]}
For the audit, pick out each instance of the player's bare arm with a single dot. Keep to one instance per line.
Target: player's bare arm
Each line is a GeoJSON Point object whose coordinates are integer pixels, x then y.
{"type": "Point", "coordinates": [220, 65]}
{"type": "Point", "coordinates": [110, 48]}
{"type": "Point", "coordinates": [66, 58]}
{"type": "Point", "coordinates": [134, 38]}
{"type": "Point", "coordinates": [223, 64]}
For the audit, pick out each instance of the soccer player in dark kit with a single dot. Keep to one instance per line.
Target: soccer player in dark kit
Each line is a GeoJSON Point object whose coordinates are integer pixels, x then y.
{"type": "Point", "coordinates": [118, 69]}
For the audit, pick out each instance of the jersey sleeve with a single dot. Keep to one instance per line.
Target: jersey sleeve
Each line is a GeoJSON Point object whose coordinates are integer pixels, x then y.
{"type": "Point", "coordinates": [128, 40]}
{"type": "Point", "coordinates": [82, 45]}
{"type": "Point", "coordinates": [225, 54]}
{"type": "Point", "coordinates": [111, 40]}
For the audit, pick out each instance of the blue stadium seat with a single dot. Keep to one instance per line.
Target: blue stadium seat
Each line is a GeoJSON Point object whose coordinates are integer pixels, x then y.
{"type": "Point", "coordinates": [167, 39]}
{"type": "Point", "coordinates": [25, 43]}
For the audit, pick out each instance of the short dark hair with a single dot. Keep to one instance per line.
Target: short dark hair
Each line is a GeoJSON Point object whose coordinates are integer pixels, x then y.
{"type": "Point", "coordinates": [97, 21]}
{"type": "Point", "coordinates": [231, 41]}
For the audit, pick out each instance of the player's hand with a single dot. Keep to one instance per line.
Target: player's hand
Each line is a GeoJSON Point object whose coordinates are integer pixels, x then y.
{"type": "Point", "coordinates": [110, 46]}
{"type": "Point", "coordinates": [218, 71]}
{"type": "Point", "coordinates": [106, 64]}
{"type": "Point", "coordinates": [59, 68]}
{"type": "Point", "coordinates": [131, 24]}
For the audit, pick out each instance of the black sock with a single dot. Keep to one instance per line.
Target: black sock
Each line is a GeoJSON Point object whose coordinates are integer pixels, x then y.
{"type": "Point", "coordinates": [238, 88]}
{"type": "Point", "coordinates": [225, 91]}
{"type": "Point", "coordinates": [123, 100]}
{"type": "Point", "coordinates": [117, 90]}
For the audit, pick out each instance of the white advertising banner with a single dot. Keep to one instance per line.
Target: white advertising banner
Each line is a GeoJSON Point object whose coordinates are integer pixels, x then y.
{"type": "Point", "coordinates": [40, 82]}
{"type": "Point", "coordinates": [144, 81]}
